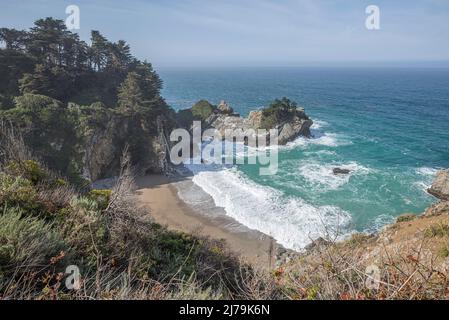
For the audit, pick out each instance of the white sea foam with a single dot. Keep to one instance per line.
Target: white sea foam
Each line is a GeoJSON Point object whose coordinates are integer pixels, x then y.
{"type": "Point", "coordinates": [379, 222]}
{"type": "Point", "coordinates": [323, 175]}
{"type": "Point", "coordinates": [291, 221]}
{"type": "Point", "coordinates": [323, 139]}
{"type": "Point", "coordinates": [426, 171]}
{"type": "Point", "coordinates": [318, 124]}
{"type": "Point", "coordinates": [427, 175]}
{"type": "Point", "coordinates": [319, 137]}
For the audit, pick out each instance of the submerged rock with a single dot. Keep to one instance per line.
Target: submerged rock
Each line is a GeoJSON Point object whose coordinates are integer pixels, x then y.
{"type": "Point", "coordinates": [440, 187]}
{"type": "Point", "coordinates": [341, 171]}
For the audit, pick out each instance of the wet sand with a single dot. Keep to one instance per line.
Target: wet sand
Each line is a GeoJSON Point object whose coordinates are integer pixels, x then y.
{"type": "Point", "coordinates": [159, 195]}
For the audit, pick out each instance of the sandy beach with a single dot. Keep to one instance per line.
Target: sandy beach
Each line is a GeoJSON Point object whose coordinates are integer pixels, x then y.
{"type": "Point", "coordinates": [159, 195]}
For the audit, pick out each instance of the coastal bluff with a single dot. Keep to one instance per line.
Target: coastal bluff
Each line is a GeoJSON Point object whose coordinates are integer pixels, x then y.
{"type": "Point", "coordinates": [440, 187]}
{"type": "Point", "coordinates": [290, 120]}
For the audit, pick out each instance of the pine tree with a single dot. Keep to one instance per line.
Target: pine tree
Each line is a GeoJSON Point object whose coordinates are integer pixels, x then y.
{"type": "Point", "coordinates": [99, 50]}
{"type": "Point", "coordinates": [130, 96]}
{"type": "Point", "coordinates": [13, 39]}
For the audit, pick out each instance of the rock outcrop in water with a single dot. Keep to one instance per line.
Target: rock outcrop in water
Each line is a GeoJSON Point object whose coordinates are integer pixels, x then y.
{"type": "Point", "coordinates": [440, 187]}
{"type": "Point", "coordinates": [224, 108]}
{"type": "Point", "coordinates": [290, 120]}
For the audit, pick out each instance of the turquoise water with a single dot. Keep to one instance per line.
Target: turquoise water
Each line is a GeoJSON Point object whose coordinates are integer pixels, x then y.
{"type": "Point", "coordinates": [390, 127]}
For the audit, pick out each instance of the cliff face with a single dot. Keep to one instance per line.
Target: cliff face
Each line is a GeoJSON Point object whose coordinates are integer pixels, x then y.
{"type": "Point", "coordinates": [103, 146]}
{"type": "Point", "coordinates": [298, 125]}
{"type": "Point", "coordinates": [440, 187]}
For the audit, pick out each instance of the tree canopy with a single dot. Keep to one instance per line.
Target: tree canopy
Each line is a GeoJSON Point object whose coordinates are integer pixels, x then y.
{"type": "Point", "coordinates": [56, 88]}
{"type": "Point", "coordinates": [278, 111]}
{"type": "Point", "coordinates": [50, 60]}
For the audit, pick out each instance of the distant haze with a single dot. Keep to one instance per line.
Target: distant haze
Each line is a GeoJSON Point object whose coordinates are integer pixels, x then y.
{"type": "Point", "coordinates": [258, 32]}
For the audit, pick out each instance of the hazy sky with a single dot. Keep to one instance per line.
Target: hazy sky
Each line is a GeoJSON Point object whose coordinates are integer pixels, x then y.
{"type": "Point", "coordinates": [255, 32]}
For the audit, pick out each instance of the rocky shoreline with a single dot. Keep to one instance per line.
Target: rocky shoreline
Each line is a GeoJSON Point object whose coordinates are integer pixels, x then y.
{"type": "Point", "coordinates": [408, 230]}
{"type": "Point", "coordinates": [297, 124]}
{"type": "Point", "coordinates": [440, 187]}
{"type": "Point", "coordinates": [290, 120]}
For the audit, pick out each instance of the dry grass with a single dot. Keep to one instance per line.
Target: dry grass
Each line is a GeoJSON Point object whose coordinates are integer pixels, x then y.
{"type": "Point", "coordinates": [343, 271]}
{"type": "Point", "coordinates": [12, 146]}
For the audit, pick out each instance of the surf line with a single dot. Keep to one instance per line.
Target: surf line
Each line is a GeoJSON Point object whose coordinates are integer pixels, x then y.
{"type": "Point", "coordinates": [214, 152]}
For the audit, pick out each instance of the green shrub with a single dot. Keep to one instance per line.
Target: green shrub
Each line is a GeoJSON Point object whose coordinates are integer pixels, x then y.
{"type": "Point", "coordinates": [278, 112]}
{"type": "Point", "coordinates": [48, 128]}
{"type": "Point", "coordinates": [36, 102]}
{"type": "Point", "coordinates": [18, 192]}
{"type": "Point", "coordinates": [406, 218]}
{"type": "Point", "coordinates": [101, 197]}
{"type": "Point", "coordinates": [444, 252]}
{"type": "Point", "coordinates": [83, 227]}
{"type": "Point", "coordinates": [26, 243]}
{"type": "Point", "coordinates": [28, 169]}
{"type": "Point", "coordinates": [202, 110]}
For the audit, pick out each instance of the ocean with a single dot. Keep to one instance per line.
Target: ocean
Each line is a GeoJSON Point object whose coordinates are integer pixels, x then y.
{"type": "Point", "coordinates": [389, 126]}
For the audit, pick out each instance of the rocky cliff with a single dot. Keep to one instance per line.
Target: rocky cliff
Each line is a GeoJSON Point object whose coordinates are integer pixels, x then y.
{"type": "Point", "coordinates": [103, 146]}
{"type": "Point", "coordinates": [440, 187]}
{"type": "Point", "coordinates": [292, 124]}
{"type": "Point", "coordinates": [410, 256]}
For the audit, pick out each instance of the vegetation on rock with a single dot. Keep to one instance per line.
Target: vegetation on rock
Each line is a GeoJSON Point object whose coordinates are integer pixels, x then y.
{"type": "Point", "coordinates": [278, 112]}
{"type": "Point", "coordinates": [202, 110]}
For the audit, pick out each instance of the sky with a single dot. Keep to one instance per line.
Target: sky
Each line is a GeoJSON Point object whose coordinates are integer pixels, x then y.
{"type": "Point", "coordinates": [185, 33]}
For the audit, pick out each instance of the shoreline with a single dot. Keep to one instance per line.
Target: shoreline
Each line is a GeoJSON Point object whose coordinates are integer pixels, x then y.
{"type": "Point", "coordinates": [159, 195]}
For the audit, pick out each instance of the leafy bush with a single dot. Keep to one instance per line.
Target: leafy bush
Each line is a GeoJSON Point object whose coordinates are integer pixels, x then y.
{"type": "Point", "coordinates": [83, 227]}
{"type": "Point", "coordinates": [406, 218]}
{"type": "Point", "coordinates": [202, 110]}
{"type": "Point", "coordinates": [101, 197]}
{"type": "Point", "coordinates": [28, 169]}
{"type": "Point", "coordinates": [25, 243]}
{"type": "Point", "coordinates": [18, 192]}
{"type": "Point", "coordinates": [278, 112]}
{"type": "Point", "coordinates": [36, 103]}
